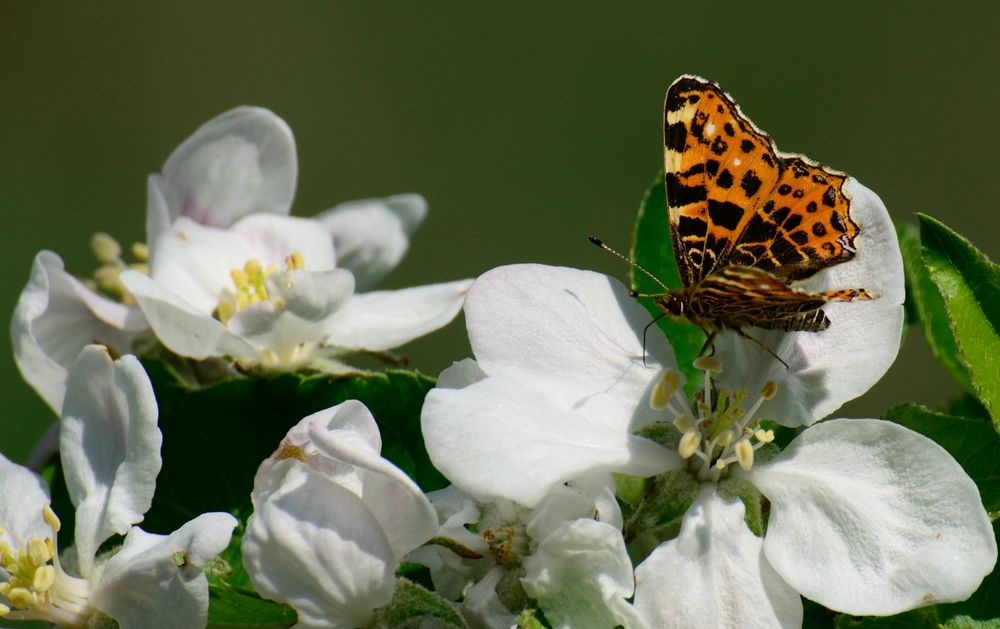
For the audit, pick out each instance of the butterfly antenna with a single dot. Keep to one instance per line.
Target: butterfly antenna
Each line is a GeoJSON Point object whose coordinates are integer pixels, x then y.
{"type": "Point", "coordinates": [646, 329]}
{"type": "Point", "coordinates": [600, 243]}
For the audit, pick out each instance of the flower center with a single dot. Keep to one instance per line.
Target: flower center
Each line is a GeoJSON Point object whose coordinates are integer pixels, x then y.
{"type": "Point", "coordinates": [508, 543]}
{"type": "Point", "coordinates": [34, 583]}
{"type": "Point", "coordinates": [109, 253]}
{"type": "Point", "coordinates": [720, 431]}
{"type": "Point", "coordinates": [250, 285]}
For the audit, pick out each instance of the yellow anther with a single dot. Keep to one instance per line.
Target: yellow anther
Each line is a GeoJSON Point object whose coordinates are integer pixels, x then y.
{"type": "Point", "coordinates": [271, 268]}
{"type": "Point", "coordinates": [720, 464]}
{"type": "Point", "coordinates": [242, 300]}
{"type": "Point", "coordinates": [38, 552]}
{"type": "Point", "coordinates": [21, 597]}
{"type": "Point", "coordinates": [659, 398]}
{"type": "Point", "coordinates": [279, 303]}
{"type": "Point", "coordinates": [105, 248]}
{"type": "Point", "coordinates": [294, 262]}
{"type": "Point", "coordinates": [764, 436]}
{"type": "Point", "coordinates": [689, 443]}
{"type": "Point", "coordinates": [240, 278]}
{"type": "Point", "coordinates": [51, 518]}
{"type": "Point", "coordinates": [44, 578]}
{"type": "Point", "coordinates": [4, 610]}
{"type": "Point", "coordinates": [744, 454]}
{"type": "Point", "coordinates": [290, 451]}
{"type": "Point", "coordinates": [684, 423]}
{"type": "Point", "coordinates": [107, 278]}
{"type": "Point", "coordinates": [225, 311]}
{"type": "Point", "coordinates": [725, 438]}
{"type": "Point", "coordinates": [769, 390]}
{"type": "Point", "coordinates": [140, 251]}
{"type": "Point", "coordinates": [252, 268]}
{"type": "Point", "coordinates": [708, 363]}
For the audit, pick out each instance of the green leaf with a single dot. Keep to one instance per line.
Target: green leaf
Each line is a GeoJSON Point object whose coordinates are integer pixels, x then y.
{"type": "Point", "coordinates": [652, 250]}
{"type": "Point", "coordinates": [230, 607]}
{"type": "Point", "coordinates": [215, 437]}
{"type": "Point", "coordinates": [971, 441]}
{"type": "Point", "coordinates": [926, 307]}
{"type": "Point", "coordinates": [414, 607]}
{"type": "Point", "coordinates": [970, 286]}
{"type": "Point", "coordinates": [923, 618]}
{"type": "Point", "coordinates": [984, 604]}
{"type": "Point", "coordinates": [965, 622]}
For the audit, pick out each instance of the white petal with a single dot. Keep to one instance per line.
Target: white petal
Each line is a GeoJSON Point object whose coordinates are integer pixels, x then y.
{"type": "Point", "coordinates": [460, 374]}
{"type": "Point", "coordinates": [23, 496]}
{"type": "Point", "coordinates": [110, 446]}
{"type": "Point", "coordinates": [581, 576]}
{"type": "Point", "coordinates": [158, 581]}
{"type": "Point", "coordinates": [294, 316]}
{"type": "Point", "coordinates": [577, 331]}
{"type": "Point", "coordinates": [55, 317]}
{"type": "Point", "coordinates": [372, 235]}
{"type": "Point", "coordinates": [158, 218]}
{"type": "Point", "coordinates": [384, 320]}
{"type": "Point", "coordinates": [402, 510]}
{"type": "Point", "coordinates": [508, 438]}
{"type": "Point", "coordinates": [197, 262]}
{"type": "Point", "coordinates": [272, 238]}
{"type": "Point", "coordinates": [593, 499]}
{"type": "Point", "coordinates": [482, 607]}
{"type": "Point", "coordinates": [714, 574]}
{"type": "Point", "coordinates": [240, 162]}
{"type": "Point", "coordinates": [829, 368]}
{"type": "Point", "coordinates": [314, 545]}
{"type": "Point", "coordinates": [181, 327]}
{"type": "Point", "coordinates": [868, 517]}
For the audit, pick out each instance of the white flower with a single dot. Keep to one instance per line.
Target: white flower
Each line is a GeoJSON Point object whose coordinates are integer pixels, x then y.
{"type": "Point", "coordinates": [110, 448]}
{"type": "Point", "coordinates": [55, 317]}
{"type": "Point", "coordinates": [232, 275]}
{"type": "Point", "coordinates": [332, 520]}
{"type": "Point", "coordinates": [567, 553]}
{"type": "Point", "coordinates": [863, 512]}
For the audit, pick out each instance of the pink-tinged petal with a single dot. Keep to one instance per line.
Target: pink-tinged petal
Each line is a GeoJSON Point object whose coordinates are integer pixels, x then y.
{"type": "Point", "coordinates": [55, 317]}
{"type": "Point", "coordinates": [238, 163]}
{"type": "Point", "coordinates": [714, 574]}
{"type": "Point", "coordinates": [868, 517]}
{"type": "Point", "coordinates": [110, 446]}
{"type": "Point", "coordinates": [515, 439]}
{"type": "Point", "coordinates": [372, 235]}
{"type": "Point", "coordinates": [272, 238]}
{"type": "Point", "coordinates": [181, 327]}
{"type": "Point", "coordinates": [828, 368]}
{"type": "Point", "coordinates": [384, 320]}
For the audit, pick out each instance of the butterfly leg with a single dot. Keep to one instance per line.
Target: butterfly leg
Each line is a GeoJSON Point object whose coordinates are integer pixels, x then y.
{"type": "Point", "coordinates": [709, 340]}
{"type": "Point", "coordinates": [767, 349]}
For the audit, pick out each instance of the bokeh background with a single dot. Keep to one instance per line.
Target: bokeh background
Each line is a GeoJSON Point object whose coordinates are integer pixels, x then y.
{"type": "Point", "coordinates": [527, 126]}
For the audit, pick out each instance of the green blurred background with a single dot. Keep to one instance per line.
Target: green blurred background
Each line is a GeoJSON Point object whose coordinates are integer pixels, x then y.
{"type": "Point", "coordinates": [527, 126]}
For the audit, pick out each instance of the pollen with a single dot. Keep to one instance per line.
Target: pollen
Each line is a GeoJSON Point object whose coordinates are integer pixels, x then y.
{"type": "Point", "coordinates": [250, 285]}
{"type": "Point", "coordinates": [108, 252]}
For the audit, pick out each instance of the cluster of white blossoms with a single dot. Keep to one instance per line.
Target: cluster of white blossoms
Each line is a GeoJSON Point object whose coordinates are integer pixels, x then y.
{"type": "Point", "coordinates": [589, 482]}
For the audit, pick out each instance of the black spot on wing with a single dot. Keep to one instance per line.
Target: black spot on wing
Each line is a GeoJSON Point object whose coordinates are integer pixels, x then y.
{"type": "Point", "coordinates": [812, 207]}
{"type": "Point", "coordinates": [711, 167]}
{"type": "Point", "coordinates": [724, 213]}
{"type": "Point", "coordinates": [837, 222]}
{"type": "Point", "coordinates": [784, 189]}
{"type": "Point", "coordinates": [830, 197]}
{"type": "Point", "coordinates": [730, 131]}
{"type": "Point", "coordinates": [819, 230]}
{"type": "Point", "coordinates": [792, 222]}
{"type": "Point", "coordinates": [799, 237]}
{"type": "Point", "coordinates": [719, 146]}
{"type": "Point", "coordinates": [691, 225]}
{"type": "Point", "coordinates": [779, 215]}
{"type": "Point", "coordinates": [675, 136]}
{"type": "Point", "coordinates": [750, 183]}
{"type": "Point", "coordinates": [725, 180]}
{"type": "Point", "coordinates": [679, 195]}
{"type": "Point", "coordinates": [746, 145]}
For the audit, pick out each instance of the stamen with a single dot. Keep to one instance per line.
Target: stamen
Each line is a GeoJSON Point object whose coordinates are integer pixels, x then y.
{"type": "Point", "coordinates": [744, 454]}
{"type": "Point", "coordinates": [683, 423]}
{"type": "Point", "coordinates": [106, 249]}
{"type": "Point", "coordinates": [140, 251]}
{"type": "Point", "coordinates": [708, 363]}
{"type": "Point", "coordinates": [689, 443]}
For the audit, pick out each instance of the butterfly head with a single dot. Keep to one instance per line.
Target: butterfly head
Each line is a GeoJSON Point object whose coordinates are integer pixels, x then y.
{"type": "Point", "coordinates": [672, 304]}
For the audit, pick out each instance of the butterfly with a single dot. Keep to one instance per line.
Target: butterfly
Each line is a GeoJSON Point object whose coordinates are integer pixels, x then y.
{"type": "Point", "coordinates": [746, 221]}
